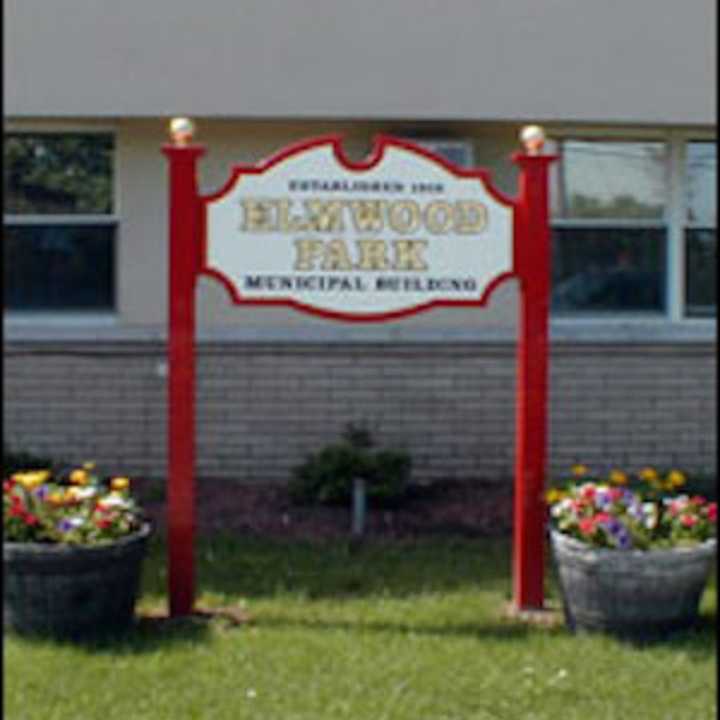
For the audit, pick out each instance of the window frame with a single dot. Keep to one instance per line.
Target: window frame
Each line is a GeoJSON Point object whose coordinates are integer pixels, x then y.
{"type": "Point", "coordinates": [17, 316]}
{"type": "Point", "coordinates": [673, 222]}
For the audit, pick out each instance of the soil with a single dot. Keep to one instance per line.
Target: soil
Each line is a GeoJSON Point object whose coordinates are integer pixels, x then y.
{"type": "Point", "coordinates": [475, 508]}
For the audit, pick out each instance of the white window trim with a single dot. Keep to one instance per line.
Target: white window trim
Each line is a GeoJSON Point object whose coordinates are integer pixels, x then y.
{"type": "Point", "coordinates": [19, 319]}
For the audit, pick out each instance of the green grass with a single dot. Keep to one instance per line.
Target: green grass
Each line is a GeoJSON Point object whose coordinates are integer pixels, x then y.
{"type": "Point", "coordinates": [384, 631]}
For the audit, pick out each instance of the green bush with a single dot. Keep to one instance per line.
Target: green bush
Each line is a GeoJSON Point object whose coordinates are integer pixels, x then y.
{"type": "Point", "coordinates": [15, 461]}
{"type": "Point", "coordinates": [326, 477]}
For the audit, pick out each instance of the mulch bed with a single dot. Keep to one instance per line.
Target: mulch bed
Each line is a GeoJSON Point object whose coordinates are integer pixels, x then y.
{"type": "Point", "coordinates": [475, 508]}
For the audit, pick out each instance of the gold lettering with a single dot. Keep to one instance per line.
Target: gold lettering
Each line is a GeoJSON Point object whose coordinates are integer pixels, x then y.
{"type": "Point", "coordinates": [256, 214]}
{"type": "Point", "coordinates": [308, 251]}
{"type": "Point", "coordinates": [438, 217]}
{"type": "Point", "coordinates": [470, 217]}
{"type": "Point", "coordinates": [336, 256]}
{"type": "Point", "coordinates": [367, 215]}
{"type": "Point", "coordinates": [404, 216]}
{"type": "Point", "coordinates": [408, 254]}
{"type": "Point", "coordinates": [372, 255]}
{"type": "Point", "coordinates": [286, 223]}
{"type": "Point", "coordinates": [325, 216]}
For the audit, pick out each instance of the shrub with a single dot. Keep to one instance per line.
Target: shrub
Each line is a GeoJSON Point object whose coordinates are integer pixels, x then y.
{"type": "Point", "coordinates": [16, 460]}
{"type": "Point", "coordinates": [326, 477]}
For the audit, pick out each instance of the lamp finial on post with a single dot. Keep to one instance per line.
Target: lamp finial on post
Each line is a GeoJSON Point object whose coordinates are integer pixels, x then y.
{"type": "Point", "coordinates": [533, 139]}
{"type": "Point", "coordinates": [182, 131]}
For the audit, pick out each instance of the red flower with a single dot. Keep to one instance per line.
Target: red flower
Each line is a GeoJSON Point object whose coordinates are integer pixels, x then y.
{"type": "Point", "coordinates": [102, 523]}
{"type": "Point", "coordinates": [697, 500]}
{"type": "Point", "coordinates": [587, 492]}
{"type": "Point", "coordinates": [712, 512]}
{"type": "Point", "coordinates": [688, 520]}
{"type": "Point", "coordinates": [17, 510]}
{"type": "Point", "coordinates": [614, 493]}
{"type": "Point", "coordinates": [8, 485]}
{"type": "Point", "coordinates": [31, 519]}
{"type": "Point", "coordinates": [587, 526]}
{"type": "Point", "coordinates": [601, 518]}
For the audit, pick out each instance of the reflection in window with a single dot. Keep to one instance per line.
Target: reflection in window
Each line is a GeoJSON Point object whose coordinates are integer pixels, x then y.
{"type": "Point", "coordinates": [50, 267]}
{"type": "Point", "coordinates": [617, 180]}
{"type": "Point", "coordinates": [51, 263]}
{"type": "Point", "coordinates": [701, 230]}
{"type": "Point", "coordinates": [608, 270]}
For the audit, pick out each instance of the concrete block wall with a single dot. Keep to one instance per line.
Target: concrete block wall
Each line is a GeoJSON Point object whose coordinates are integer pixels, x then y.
{"type": "Point", "coordinates": [262, 406]}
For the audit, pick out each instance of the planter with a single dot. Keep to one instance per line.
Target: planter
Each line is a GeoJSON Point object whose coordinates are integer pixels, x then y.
{"type": "Point", "coordinates": [71, 591]}
{"type": "Point", "coordinates": [632, 593]}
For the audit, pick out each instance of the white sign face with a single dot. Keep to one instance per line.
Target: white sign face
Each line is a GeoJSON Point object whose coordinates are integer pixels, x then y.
{"type": "Point", "coordinates": [385, 239]}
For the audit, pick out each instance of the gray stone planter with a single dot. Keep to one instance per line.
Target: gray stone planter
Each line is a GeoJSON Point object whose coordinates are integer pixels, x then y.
{"type": "Point", "coordinates": [72, 592]}
{"type": "Point", "coordinates": [631, 593]}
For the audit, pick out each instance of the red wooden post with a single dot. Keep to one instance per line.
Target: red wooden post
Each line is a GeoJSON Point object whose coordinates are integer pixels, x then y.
{"type": "Point", "coordinates": [533, 268]}
{"type": "Point", "coordinates": [184, 259]}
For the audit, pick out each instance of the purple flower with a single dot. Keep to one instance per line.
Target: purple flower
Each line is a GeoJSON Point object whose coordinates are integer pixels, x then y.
{"type": "Point", "coordinates": [40, 492]}
{"type": "Point", "coordinates": [617, 532]}
{"type": "Point", "coordinates": [68, 524]}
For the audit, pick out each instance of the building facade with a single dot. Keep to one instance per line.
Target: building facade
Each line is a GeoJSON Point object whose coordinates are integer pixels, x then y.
{"type": "Point", "coordinates": [626, 96]}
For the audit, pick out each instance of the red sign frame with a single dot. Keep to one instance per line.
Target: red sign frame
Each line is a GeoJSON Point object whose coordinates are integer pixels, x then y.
{"type": "Point", "coordinates": [188, 261]}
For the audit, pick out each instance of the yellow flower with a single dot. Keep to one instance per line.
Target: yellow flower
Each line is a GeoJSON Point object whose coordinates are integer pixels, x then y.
{"type": "Point", "coordinates": [648, 474]}
{"type": "Point", "coordinates": [32, 478]}
{"type": "Point", "coordinates": [56, 498]}
{"type": "Point", "coordinates": [89, 465]}
{"type": "Point", "coordinates": [618, 477]}
{"type": "Point", "coordinates": [553, 495]}
{"type": "Point", "coordinates": [675, 479]}
{"type": "Point", "coordinates": [79, 477]}
{"type": "Point", "coordinates": [580, 470]}
{"type": "Point", "coordinates": [71, 494]}
{"type": "Point", "coordinates": [120, 483]}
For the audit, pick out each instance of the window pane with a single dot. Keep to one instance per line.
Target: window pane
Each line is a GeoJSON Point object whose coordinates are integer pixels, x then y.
{"type": "Point", "coordinates": [701, 273]}
{"type": "Point", "coordinates": [615, 180]}
{"type": "Point", "coordinates": [601, 269]}
{"type": "Point", "coordinates": [701, 170]}
{"type": "Point", "coordinates": [59, 267]}
{"type": "Point", "coordinates": [58, 174]}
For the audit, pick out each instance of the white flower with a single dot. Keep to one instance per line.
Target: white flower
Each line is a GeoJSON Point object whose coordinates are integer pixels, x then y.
{"type": "Point", "coordinates": [84, 493]}
{"type": "Point", "coordinates": [114, 501]}
{"type": "Point", "coordinates": [650, 515]}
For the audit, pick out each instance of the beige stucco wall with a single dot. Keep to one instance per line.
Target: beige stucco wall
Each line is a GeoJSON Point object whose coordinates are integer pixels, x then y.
{"type": "Point", "coordinates": [142, 247]}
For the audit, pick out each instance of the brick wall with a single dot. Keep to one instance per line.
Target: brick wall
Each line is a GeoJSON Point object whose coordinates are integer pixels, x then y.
{"type": "Point", "coordinates": [262, 407]}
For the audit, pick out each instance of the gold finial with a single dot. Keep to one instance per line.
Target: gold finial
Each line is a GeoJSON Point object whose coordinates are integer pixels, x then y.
{"type": "Point", "coordinates": [533, 138]}
{"type": "Point", "coordinates": [182, 130]}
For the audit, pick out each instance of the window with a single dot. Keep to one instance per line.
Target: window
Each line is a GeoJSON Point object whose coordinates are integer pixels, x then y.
{"type": "Point", "coordinates": [700, 232]}
{"type": "Point", "coordinates": [457, 152]}
{"type": "Point", "coordinates": [609, 203]}
{"type": "Point", "coordinates": [60, 227]}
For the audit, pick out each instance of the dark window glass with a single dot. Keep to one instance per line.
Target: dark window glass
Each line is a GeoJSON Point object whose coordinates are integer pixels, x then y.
{"type": "Point", "coordinates": [701, 272]}
{"type": "Point", "coordinates": [701, 235]}
{"type": "Point", "coordinates": [59, 267]}
{"type": "Point", "coordinates": [608, 269]}
{"type": "Point", "coordinates": [58, 174]}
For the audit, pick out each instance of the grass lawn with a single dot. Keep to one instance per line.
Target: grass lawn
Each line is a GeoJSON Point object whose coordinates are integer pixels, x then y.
{"type": "Point", "coordinates": [388, 631]}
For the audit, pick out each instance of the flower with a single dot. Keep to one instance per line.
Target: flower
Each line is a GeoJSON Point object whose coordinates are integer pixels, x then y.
{"type": "Point", "coordinates": [631, 510]}
{"type": "Point", "coordinates": [676, 479]}
{"type": "Point", "coordinates": [579, 471]}
{"type": "Point", "coordinates": [120, 483]}
{"type": "Point", "coordinates": [80, 476]}
{"type": "Point", "coordinates": [78, 508]}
